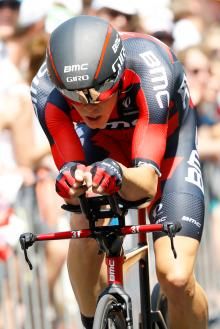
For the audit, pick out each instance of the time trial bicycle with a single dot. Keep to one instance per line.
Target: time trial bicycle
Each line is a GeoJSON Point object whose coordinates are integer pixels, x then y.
{"type": "Point", "coordinates": [114, 305]}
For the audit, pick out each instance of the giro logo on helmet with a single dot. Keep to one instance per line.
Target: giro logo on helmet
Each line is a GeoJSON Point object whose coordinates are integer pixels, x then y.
{"type": "Point", "coordinates": [116, 44]}
{"type": "Point", "coordinates": [78, 78]}
{"type": "Point", "coordinates": [118, 64]}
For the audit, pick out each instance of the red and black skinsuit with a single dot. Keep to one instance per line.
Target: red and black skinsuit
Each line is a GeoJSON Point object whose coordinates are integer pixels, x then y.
{"type": "Point", "coordinates": [154, 122]}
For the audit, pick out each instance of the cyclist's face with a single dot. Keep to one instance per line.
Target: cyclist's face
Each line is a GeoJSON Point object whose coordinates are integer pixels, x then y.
{"type": "Point", "coordinates": [95, 116]}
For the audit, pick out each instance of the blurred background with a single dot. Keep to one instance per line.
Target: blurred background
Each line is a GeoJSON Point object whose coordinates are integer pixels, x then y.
{"type": "Point", "coordinates": [42, 298]}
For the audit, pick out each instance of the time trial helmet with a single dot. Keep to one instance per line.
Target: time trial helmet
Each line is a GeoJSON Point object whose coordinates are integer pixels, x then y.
{"type": "Point", "coordinates": [85, 59]}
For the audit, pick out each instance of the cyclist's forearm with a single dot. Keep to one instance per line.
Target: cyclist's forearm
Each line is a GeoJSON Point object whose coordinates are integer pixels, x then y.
{"type": "Point", "coordinates": [138, 183]}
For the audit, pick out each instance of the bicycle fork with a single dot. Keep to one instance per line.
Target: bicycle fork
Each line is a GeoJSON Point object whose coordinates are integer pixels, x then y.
{"type": "Point", "coordinates": [111, 245]}
{"type": "Point", "coordinates": [115, 287]}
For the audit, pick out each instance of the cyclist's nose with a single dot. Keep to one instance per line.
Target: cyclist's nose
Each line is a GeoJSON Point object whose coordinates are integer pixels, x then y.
{"type": "Point", "coordinates": [91, 108]}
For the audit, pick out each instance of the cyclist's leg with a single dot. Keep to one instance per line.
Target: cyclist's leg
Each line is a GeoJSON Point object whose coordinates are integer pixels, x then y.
{"type": "Point", "coordinates": [86, 268]}
{"type": "Point", "coordinates": [187, 304]}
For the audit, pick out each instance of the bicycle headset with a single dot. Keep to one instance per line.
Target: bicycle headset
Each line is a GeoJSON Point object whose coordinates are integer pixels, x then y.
{"type": "Point", "coordinates": [85, 59]}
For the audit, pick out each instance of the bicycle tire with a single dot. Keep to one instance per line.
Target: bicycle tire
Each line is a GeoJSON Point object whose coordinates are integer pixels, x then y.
{"type": "Point", "coordinates": [159, 302]}
{"type": "Point", "coordinates": [109, 314]}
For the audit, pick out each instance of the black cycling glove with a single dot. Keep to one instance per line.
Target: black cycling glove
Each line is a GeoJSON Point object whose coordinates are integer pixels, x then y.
{"type": "Point", "coordinates": [107, 174]}
{"type": "Point", "coordinates": [66, 179]}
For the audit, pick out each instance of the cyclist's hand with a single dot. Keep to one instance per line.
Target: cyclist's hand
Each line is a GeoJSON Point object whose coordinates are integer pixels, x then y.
{"type": "Point", "coordinates": [70, 181]}
{"type": "Point", "coordinates": [106, 176]}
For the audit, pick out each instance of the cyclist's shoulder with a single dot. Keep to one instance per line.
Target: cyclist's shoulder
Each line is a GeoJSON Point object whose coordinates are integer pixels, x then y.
{"type": "Point", "coordinates": [41, 80]}
{"type": "Point", "coordinates": [147, 44]}
{"type": "Point", "coordinates": [147, 55]}
{"type": "Point", "coordinates": [43, 91]}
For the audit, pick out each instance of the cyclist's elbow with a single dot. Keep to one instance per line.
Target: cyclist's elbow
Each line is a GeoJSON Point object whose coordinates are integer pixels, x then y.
{"type": "Point", "coordinates": [152, 191]}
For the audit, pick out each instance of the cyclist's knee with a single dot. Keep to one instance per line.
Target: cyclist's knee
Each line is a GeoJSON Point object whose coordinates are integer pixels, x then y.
{"type": "Point", "coordinates": [177, 284]}
{"type": "Point", "coordinates": [176, 275]}
{"type": "Point", "coordinates": [78, 222]}
{"type": "Point", "coordinates": [83, 247]}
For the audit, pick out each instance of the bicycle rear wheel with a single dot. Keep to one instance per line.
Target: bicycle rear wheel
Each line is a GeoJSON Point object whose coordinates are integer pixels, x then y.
{"type": "Point", "coordinates": [109, 314]}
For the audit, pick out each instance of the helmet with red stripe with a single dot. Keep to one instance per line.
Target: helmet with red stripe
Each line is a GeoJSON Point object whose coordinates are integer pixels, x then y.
{"type": "Point", "coordinates": [85, 59]}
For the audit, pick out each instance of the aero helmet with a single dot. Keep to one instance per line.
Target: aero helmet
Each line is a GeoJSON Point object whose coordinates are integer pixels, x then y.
{"type": "Point", "coordinates": [85, 59]}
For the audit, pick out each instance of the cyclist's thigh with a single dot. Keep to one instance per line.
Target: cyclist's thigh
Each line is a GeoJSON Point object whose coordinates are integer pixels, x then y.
{"type": "Point", "coordinates": [99, 144]}
{"type": "Point", "coordinates": [180, 198]}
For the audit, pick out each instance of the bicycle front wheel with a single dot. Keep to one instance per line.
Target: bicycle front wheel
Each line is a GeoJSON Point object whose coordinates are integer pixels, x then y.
{"type": "Point", "coordinates": [109, 314]}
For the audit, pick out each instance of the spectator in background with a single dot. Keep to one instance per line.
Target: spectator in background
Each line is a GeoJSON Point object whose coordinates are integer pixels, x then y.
{"type": "Point", "coordinates": [9, 11]}
{"type": "Point", "coordinates": [61, 10]}
{"type": "Point", "coordinates": [211, 11]}
{"type": "Point", "coordinates": [24, 159]}
{"type": "Point", "coordinates": [136, 17]}
{"type": "Point", "coordinates": [31, 24]}
{"type": "Point", "coordinates": [16, 143]}
{"type": "Point", "coordinates": [197, 67]}
{"type": "Point", "coordinates": [122, 14]}
{"type": "Point", "coordinates": [212, 42]}
{"type": "Point", "coordinates": [189, 24]}
{"type": "Point", "coordinates": [204, 88]}
{"type": "Point", "coordinates": [157, 19]}
{"type": "Point", "coordinates": [16, 136]}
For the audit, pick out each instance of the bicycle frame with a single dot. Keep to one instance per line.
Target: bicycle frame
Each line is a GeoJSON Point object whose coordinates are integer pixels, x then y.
{"type": "Point", "coordinates": [110, 239]}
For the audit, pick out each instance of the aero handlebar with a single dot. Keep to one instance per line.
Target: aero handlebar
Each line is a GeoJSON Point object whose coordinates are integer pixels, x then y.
{"type": "Point", "coordinates": [92, 208]}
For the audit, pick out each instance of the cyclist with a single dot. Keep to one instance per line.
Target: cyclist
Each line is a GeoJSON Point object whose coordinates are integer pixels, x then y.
{"type": "Point", "coordinates": [117, 112]}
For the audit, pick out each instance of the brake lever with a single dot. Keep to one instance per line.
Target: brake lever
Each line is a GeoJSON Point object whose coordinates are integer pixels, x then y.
{"type": "Point", "coordinates": [26, 241]}
{"type": "Point", "coordinates": [171, 229]}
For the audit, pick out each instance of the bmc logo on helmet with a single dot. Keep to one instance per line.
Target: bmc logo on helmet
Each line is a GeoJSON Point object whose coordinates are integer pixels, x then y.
{"type": "Point", "coordinates": [75, 67]}
{"type": "Point", "coordinates": [78, 78]}
{"type": "Point", "coordinates": [118, 63]}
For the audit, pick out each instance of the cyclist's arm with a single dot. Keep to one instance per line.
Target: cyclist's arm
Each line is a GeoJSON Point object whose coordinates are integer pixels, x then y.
{"type": "Point", "coordinates": [53, 114]}
{"type": "Point", "coordinates": [59, 129]}
{"type": "Point", "coordinates": [64, 142]}
{"type": "Point", "coordinates": [138, 183]}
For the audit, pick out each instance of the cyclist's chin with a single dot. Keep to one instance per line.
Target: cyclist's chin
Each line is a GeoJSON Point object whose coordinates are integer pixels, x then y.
{"type": "Point", "coordinates": [95, 123]}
